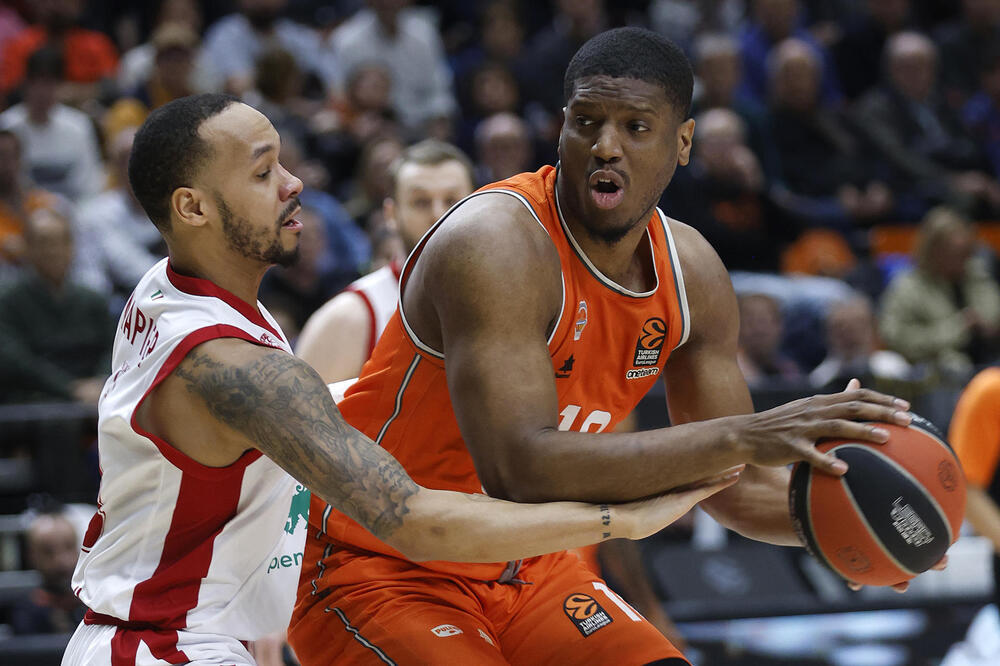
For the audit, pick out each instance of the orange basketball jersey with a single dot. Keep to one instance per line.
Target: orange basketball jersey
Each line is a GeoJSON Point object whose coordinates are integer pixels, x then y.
{"type": "Point", "coordinates": [607, 348]}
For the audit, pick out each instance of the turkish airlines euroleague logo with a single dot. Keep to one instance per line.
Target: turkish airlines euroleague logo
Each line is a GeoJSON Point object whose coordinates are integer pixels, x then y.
{"type": "Point", "coordinates": [650, 343]}
{"type": "Point", "coordinates": [584, 611]}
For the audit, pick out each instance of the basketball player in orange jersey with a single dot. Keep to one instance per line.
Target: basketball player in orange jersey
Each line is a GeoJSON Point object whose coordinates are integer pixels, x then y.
{"type": "Point", "coordinates": [209, 424]}
{"type": "Point", "coordinates": [427, 179]}
{"type": "Point", "coordinates": [532, 319]}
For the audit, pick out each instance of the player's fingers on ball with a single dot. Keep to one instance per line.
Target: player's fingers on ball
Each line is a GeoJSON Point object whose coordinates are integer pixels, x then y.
{"type": "Point", "coordinates": [825, 462]}
{"type": "Point", "coordinates": [841, 428]}
{"type": "Point", "coordinates": [854, 586]}
{"type": "Point", "coordinates": [942, 564]}
{"type": "Point", "coordinates": [853, 385]}
{"type": "Point", "coordinates": [900, 587]}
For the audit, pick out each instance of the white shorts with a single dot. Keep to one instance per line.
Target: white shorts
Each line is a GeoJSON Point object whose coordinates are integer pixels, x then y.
{"type": "Point", "coordinates": [98, 645]}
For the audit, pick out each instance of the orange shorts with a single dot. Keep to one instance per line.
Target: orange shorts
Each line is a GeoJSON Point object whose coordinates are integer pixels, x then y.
{"type": "Point", "coordinates": [374, 609]}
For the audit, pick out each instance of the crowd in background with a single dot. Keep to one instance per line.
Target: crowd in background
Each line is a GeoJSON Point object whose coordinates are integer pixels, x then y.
{"type": "Point", "coordinates": [817, 122]}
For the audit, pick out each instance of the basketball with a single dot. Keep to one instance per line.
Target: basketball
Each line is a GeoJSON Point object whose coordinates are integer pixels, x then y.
{"type": "Point", "coordinates": [892, 515]}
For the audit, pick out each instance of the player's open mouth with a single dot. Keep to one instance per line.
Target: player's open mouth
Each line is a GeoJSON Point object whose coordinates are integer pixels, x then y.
{"type": "Point", "coordinates": [607, 188]}
{"type": "Point", "coordinates": [292, 223]}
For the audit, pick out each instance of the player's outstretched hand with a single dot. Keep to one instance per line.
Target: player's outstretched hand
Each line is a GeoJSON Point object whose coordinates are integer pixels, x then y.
{"type": "Point", "coordinates": [788, 433]}
{"type": "Point", "coordinates": [649, 516]}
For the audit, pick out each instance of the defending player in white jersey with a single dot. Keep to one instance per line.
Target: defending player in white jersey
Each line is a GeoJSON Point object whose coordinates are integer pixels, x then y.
{"type": "Point", "coordinates": [427, 179]}
{"type": "Point", "coordinates": [207, 420]}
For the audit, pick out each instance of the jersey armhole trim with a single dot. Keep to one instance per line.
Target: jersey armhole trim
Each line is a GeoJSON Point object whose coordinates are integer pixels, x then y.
{"type": "Point", "coordinates": [427, 349]}
{"type": "Point", "coordinates": [174, 455]}
{"type": "Point", "coordinates": [675, 261]}
{"type": "Point", "coordinates": [372, 333]}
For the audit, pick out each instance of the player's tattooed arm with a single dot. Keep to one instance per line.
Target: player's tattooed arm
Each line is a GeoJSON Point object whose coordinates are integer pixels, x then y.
{"type": "Point", "coordinates": [248, 396]}
{"type": "Point", "coordinates": [284, 408]}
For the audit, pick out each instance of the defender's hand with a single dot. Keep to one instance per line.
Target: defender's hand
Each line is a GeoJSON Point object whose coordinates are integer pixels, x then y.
{"type": "Point", "coordinates": [788, 433]}
{"type": "Point", "coordinates": [649, 516]}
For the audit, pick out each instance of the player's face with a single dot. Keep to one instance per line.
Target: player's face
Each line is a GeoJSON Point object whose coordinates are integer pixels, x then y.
{"type": "Point", "coordinates": [620, 143]}
{"type": "Point", "coordinates": [425, 192]}
{"type": "Point", "coordinates": [254, 197]}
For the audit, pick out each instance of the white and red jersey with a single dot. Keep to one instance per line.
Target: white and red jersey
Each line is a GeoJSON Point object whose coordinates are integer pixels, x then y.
{"type": "Point", "coordinates": [379, 290]}
{"type": "Point", "coordinates": [177, 545]}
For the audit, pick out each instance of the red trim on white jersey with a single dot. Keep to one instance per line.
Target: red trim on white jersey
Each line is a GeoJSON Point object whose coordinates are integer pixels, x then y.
{"type": "Point", "coordinates": [200, 287]}
{"type": "Point", "coordinates": [372, 327]}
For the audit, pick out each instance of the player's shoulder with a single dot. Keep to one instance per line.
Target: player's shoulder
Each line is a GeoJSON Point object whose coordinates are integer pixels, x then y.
{"type": "Point", "coordinates": [698, 259]}
{"type": "Point", "coordinates": [493, 223]}
{"type": "Point", "coordinates": [345, 311]}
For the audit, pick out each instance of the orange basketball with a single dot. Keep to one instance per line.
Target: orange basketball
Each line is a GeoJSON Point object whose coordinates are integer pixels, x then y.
{"type": "Point", "coordinates": [895, 512]}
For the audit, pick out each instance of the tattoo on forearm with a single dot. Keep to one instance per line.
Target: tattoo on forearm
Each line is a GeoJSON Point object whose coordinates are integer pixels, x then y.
{"type": "Point", "coordinates": [606, 520]}
{"type": "Point", "coordinates": [282, 405]}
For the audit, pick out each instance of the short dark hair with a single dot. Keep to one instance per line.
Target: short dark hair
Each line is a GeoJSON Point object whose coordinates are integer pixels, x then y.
{"type": "Point", "coordinates": [167, 151]}
{"type": "Point", "coordinates": [430, 152]}
{"type": "Point", "coordinates": [634, 53]}
{"type": "Point", "coordinates": [45, 63]}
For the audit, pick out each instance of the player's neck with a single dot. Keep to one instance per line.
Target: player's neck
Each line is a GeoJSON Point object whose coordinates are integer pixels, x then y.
{"type": "Point", "coordinates": [240, 278]}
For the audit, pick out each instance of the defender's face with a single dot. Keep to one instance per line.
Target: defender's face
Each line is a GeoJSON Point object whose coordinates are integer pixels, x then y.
{"type": "Point", "coordinates": [254, 198]}
{"type": "Point", "coordinates": [620, 143]}
{"type": "Point", "coordinates": [425, 192]}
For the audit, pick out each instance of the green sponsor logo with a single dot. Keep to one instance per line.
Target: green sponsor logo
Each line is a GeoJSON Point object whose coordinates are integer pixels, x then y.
{"type": "Point", "coordinates": [299, 509]}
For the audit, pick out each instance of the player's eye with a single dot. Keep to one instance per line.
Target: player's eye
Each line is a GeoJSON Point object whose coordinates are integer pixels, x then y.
{"type": "Point", "coordinates": [264, 175]}
{"type": "Point", "coordinates": [638, 127]}
{"type": "Point", "coordinates": [583, 121]}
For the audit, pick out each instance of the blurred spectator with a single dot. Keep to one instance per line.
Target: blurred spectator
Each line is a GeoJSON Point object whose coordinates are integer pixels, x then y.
{"type": "Point", "coordinates": [722, 194]}
{"type": "Point", "coordinates": [822, 161]}
{"type": "Point", "coordinates": [52, 548]}
{"type": "Point", "coordinates": [500, 40]}
{"type": "Point", "coordinates": [174, 46]}
{"type": "Point", "coordinates": [550, 50]}
{"type": "Point", "coordinates": [278, 91]}
{"type": "Point", "coordinates": [946, 309]}
{"type": "Point", "coordinates": [17, 200]}
{"type": "Point", "coordinates": [371, 183]}
{"type": "Point", "coordinates": [934, 158]}
{"type": "Point", "coordinates": [718, 70]}
{"type": "Point", "coordinates": [11, 25]}
{"type": "Point", "coordinates": [234, 43]}
{"type": "Point", "coordinates": [117, 242]}
{"type": "Point", "coordinates": [359, 116]}
{"type": "Point", "coordinates": [427, 180]}
{"type": "Point", "coordinates": [136, 65]}
{"type": "Point", "coordinates": [503, 148]}
{"type": "Point", "coordinates": [772, 22]}
{"type": "Point", "coordinates": [981, 113]}
{"type": "Point", "coordinates": [87, 56]}
{"type": "Point", "coordinates": [858, 53]}
{"type": "Point", "coordinates": [975, 434]}
{"type": "Point", "coordinates": [682, 20]}
{"type": "Point", "coordinates": [963, 43]}
{"type": "Point", "coordinates": [409, 46]}
{"type": "Point", "coordinates": [60, 150]}
{"type": "Point", "coordinates": [492, 89]}
{"type": "Point", "coordinates": [852, 349]}
{"type": "Point", "coordinates": [761, 330]}
{"type": "Point", "coordinates": [55, 336]}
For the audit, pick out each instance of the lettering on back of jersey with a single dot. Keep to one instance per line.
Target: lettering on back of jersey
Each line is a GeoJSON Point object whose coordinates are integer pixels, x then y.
{"type": "Point", "coordinates": [650, 342]}
{"type": "Point", "coordinates": [136, 323]}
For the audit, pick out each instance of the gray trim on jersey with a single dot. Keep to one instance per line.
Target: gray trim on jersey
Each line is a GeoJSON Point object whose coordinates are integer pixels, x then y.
{"type": "Point", "coordinates": [682, 299]}
{"type": "Point", "coordinates": [608, 282]}
{"type": "Point", "coordinates": [399, 397]}
{"type": "Point", "coordinates": [359, 638]}
{"type": "Point", "coordinates": [402, 315]}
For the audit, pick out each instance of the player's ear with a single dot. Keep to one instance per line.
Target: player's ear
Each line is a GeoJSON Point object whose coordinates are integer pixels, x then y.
{"type": "Point", "coordinates": [685, 135]}
{"type": "Point", "coordinates": [187, 205]}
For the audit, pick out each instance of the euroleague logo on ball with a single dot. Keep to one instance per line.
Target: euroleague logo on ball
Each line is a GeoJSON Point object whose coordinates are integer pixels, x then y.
{"type": "Point", "coordinates": [650, 342]}
{"type": "Point", "coordinates": [946, 475]}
